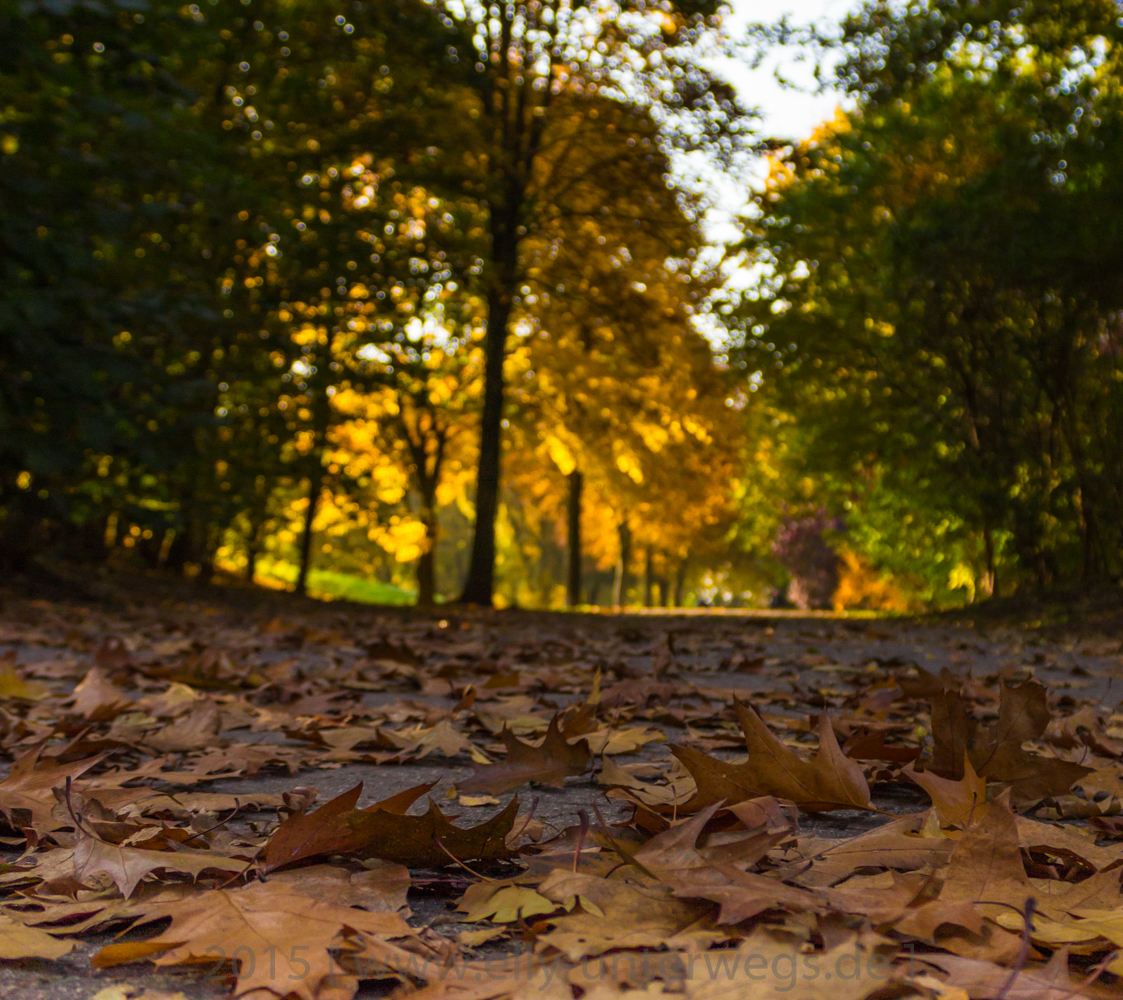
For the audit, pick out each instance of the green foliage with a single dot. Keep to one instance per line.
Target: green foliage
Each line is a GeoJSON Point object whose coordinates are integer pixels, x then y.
{"type": "Point", "coordinates": [939, 314]}
{"type": "Point", "coordinates": [341, 586]}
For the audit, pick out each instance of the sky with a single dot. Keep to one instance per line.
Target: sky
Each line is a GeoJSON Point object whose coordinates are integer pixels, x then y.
{"type": "Point", "coordinates": [785, 113]}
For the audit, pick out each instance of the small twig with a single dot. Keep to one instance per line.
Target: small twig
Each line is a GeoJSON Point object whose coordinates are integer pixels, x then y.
{"type": "Point", "coordinates": [203, 833]}
{"type": "Point", "coordinates": [73, 815]}
{"type": "Point", "coordinates": [437, 841]}
{"type": "Point", "coordinates": [1023, 954]}
{"type": "Point", "coordinates": [580, 838]}
{"type": "Point", "coordinates": [529, 817]}
{"type": "Point", "coordinates": [249, 863]}
{"type": "Point", "coordinates": [1093, 975]}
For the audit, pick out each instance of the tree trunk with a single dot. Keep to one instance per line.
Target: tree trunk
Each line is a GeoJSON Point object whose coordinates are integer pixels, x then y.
{"type": "Point", "coordinates": [990, 580]}
{"type": "Point", "coordinates": [251, 560]}
{"type": "Point", "coordinates": [680, 580]}
{"type": "Point", "coordinates": [427, 563]}
{"type": "Point", "coordinates": [648, 576]}
{"type": "Point", "coordinates": [314, 487]}
{"type": "Point", "coordinates": [573, 541]}
{"type": "Point", "coordinates": [481, 570]}
{"type": "Point", "coordinates": [620, 584]}
{"type": "Point", "coordinates": [253, 545]}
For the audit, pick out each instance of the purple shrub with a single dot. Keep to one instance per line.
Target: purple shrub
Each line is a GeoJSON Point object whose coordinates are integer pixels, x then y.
{"type": "Point", "coordinates": [811, 562]}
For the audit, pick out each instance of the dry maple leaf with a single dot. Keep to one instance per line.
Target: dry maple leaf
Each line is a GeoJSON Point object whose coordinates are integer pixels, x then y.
{"type": "Point", "coordinates": [830, 780]}
{"type": "Point", "coordinates": [198, 730]}
{"type": "Point", "coordinates": [549, 763]}
{"type": "Point", "coordinates": [957, 803]}
{"type": "Point", "coordinates": [996, 751]}
{"type": "Point", "coordinates": [623, 913]}
{"type": "Point", "coordinates": [279, 940]}
{"type": "Point", "coordinates": [716, 872]}
{"type": "Point", "coordinates": [986, 867]}
{"type": "Point", "coordinates": [128, 865]}
{"type": "Point", "coordinates": [675, 857]}
{"type": "Point", "coordinates": [328, 830]}
{"type": "Point", "coordinates": [97, 698]}
{"type": "Point", "coordinates": [26, 796]}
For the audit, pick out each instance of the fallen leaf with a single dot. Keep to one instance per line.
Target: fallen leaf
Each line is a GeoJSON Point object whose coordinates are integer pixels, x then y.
{"type": "Point", "coordinates": [12, 685]}
{"type": "Point", "coordinates": [985, 866]}
{"type": "Point", "coordinates": [97, 698]}
{"type": "Point", "coordinates": [380, 887]}
{"type": "Point", "coordinates": [17, 940]}
{"type": "Point", "coordinates": [996, 751]}
{"type": "Point", "coordinates": [431, 840]}
{"type": "Point", "coordinates": [330, 830]}
{"type": "Point", "coordinates": [1036, 982]}
{"type": "Point", "coordinates": [957, 803]}
{"type": "Point", "coordinates": [830, 780]}
{"type": "Point", "coordinates": [502, 902]}
{"type": "Point", "coordinates": [769, 966]}
{"type": "Point", "coordinates": [279, 940]}
{"type": "Point", "coordinates": [549, 763]}
{"type": "Point", "coordinates": [197, 730]}
{"type": "Point", "coordinates": [128, 865]}
{"type": "Point", "coordinates": [26, 796]}
{"type": "Point", "coordinates": [632, 914]}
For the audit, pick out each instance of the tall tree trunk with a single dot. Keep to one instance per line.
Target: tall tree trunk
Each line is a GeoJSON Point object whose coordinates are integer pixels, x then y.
{"type": "Point", "coordinates": [680, 580]}
{"type": "Point", "coordinates": [573, 540]}
{"type": "Point", "coordinates": [253, 544]}
{"type": "Point", "coordinates": [648, 576]}
{"type": "Point", "coordinates": [481, 570]}
{"type": "Point", "coordinates": [427, 562]}
{"type": "Point", "coordinates": [620, 584]}
{"type": "Point", "coordinates": [990, 580]}
{"type": "Point", "coordinates": [314, 487]}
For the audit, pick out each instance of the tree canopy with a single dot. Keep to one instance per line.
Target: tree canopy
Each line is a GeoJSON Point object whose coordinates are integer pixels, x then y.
{"type": "Point", "coordinates": [408, 298]}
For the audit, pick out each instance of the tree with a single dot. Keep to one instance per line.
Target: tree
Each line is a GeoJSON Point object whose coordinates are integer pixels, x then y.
{"type": "Point", "coordinates": [522, 73]}
{"type": "Point", "coordinates": [937, 316]}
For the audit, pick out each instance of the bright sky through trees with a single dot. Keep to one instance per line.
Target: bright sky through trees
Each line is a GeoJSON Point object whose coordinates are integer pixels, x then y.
{"type": "Point", "coordinates": [788, 112]}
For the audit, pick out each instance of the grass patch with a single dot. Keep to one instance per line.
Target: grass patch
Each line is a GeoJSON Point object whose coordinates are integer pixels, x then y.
{"type": "Point", "coordinates": [326, 583]}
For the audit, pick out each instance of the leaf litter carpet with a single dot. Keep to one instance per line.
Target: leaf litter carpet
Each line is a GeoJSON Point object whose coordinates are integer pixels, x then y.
{"type": "Point", "coordinates": [207, 795]}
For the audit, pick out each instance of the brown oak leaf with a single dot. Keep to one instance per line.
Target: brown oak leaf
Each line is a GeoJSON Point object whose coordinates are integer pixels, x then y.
{"type": "Point", "coordinates": [549, 763]}
{"type": "Point", "coordinates": [429, 840]}
{"type": "Point", "coordinates": [329, 829]}
{"type": "Point", "coordinates": [830, 780]}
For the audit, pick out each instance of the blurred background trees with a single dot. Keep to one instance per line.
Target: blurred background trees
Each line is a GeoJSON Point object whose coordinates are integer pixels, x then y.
{"type": "Point", "coordinates": [399, 301]}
